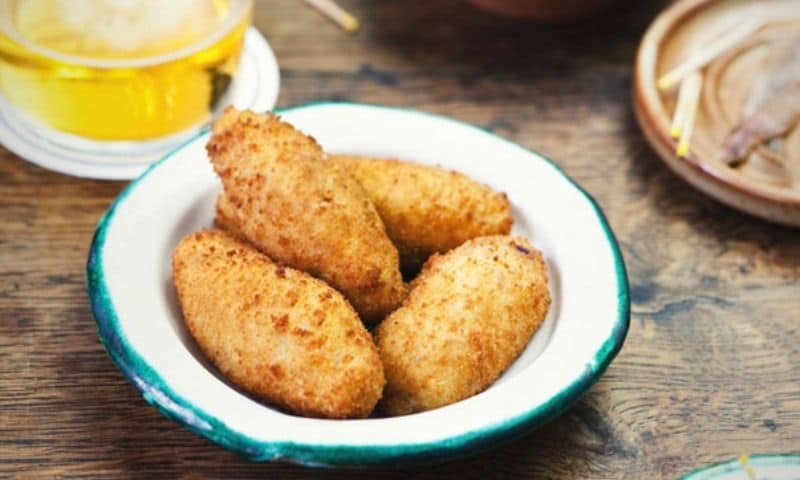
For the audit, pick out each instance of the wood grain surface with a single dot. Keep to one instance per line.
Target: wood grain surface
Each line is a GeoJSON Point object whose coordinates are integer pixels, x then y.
{"type": "Point", "coordinates": [710, 367]}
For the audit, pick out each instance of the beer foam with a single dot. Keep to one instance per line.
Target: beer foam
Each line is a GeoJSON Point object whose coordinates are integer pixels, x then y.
{"type": "Point", "coordinates": [134, 25]}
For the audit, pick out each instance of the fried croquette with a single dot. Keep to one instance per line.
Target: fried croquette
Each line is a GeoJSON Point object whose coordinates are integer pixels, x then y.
{"type": "Point", "coordinates": [427, 209]}
{"type": "Point", "coordinates": [280, 334]}
{"type": "Point", "coordinates": [304, 212]}
{"type": "Point", "coordinates": [224, 217]}
{"type": "Point", "coordinates": [468, 316]}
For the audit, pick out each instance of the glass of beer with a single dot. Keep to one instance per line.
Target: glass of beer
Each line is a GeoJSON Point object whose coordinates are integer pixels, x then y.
{"type": "Point", "coordinates": [119, 70]}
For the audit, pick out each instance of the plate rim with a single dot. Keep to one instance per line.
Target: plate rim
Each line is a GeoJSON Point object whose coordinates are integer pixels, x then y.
{"type": "Point", "coordinates": [159, 394]}
{"type": "Point", "coordinates": [733, 464]}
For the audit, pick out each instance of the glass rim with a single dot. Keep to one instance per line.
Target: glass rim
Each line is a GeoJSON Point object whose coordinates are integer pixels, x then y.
{"type": "Point", "coordinates": [240, 8]}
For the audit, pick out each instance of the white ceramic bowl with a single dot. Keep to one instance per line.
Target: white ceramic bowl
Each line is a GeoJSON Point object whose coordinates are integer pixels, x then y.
{"type": "Point", "coordinates": [140, 324]}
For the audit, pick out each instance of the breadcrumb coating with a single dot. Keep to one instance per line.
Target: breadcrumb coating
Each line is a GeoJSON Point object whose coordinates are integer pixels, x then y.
{"type": "Point", "coordinates": [303, 211]}
{"type": "Point", "coordinates": [279, 334]}
{"type": "Point", "coordinates": [468, 316]}
{"type": "Point", "coordinates": [428, 209]}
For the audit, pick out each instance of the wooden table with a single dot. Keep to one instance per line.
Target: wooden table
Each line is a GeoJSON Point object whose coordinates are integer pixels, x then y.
{"type": "Point", "coordinates": [710, 366]}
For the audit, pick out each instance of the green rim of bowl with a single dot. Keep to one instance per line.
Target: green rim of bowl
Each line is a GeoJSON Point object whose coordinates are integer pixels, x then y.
{"type": "Point", "coordinates": [160, 395]}
{"type": "Point", "coordinates": [715, 470]}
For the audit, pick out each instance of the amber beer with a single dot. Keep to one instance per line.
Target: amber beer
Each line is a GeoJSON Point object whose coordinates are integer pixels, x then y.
{"type": "Point", "coordinates": [119, 69]}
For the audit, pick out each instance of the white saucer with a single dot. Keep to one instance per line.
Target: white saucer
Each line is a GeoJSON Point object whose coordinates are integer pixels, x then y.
{"type": "Point", "coordinates": [255, 88]}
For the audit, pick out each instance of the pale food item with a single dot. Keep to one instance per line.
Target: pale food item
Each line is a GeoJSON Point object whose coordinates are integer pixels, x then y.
{"type": "Point", "coordinates": [305, 212]}
{"type": "Point", "coordinates": [774, 117]}
{"type": "Point", "coordinates": [279, 334]}
{"type": "Point", "coordinates": [468, 316]}
{"type": "Point", "coordinates": [427, 209]}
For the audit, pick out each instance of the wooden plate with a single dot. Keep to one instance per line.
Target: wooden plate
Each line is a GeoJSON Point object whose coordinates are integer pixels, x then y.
{"type": "Point", "coordinates": [760, 186]}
